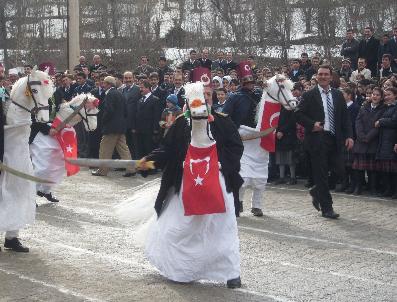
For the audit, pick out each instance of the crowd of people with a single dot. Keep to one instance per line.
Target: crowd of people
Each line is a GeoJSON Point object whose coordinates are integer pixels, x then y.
{"type": "Point", "coordinates": [138, 107]}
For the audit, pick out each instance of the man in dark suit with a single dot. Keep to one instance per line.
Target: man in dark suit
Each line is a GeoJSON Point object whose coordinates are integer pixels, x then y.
{"type": "Point", "coordinates": [349, 48]}
{"type": "Point", "coordinates": [97, 64]}
{"type": "Point", "coordinates": [220, 62]}
{"type": "Point", "coordinates": [296, 71]}
{"type": "Point", "coordinates": [83, 85]}
{"type": "Point", "coordinates": [146, 123]}
{"type": "Point", "coordinates": [230, 64]}
{"type": "Point", "coordinates": [393, 46]}
{"type": "Point", "coordinates": [64, 92]}
{"type": "Point", "coordinates": [94, 137]}
{"type": "Point", "coordinates": [113, 127]}
{"type": "Point", "coordinates": [204, 61]}
{"type": "Point", "coordinates": [132, 94]}
{"type": "Point", "coordinates": [323, 113]}
{"type": "Point", "coordinates": [178, 89]}
{"type": "Point", "coordinates": [386, 69]}
{"type": "Point", "coordinates": [163, 69]}
{"type": "Point", "coordinates": [192, 63]}
{"type": "Point", "coordinates": [368, 49]}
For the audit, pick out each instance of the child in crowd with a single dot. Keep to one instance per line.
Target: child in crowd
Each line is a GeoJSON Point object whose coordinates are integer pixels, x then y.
{"type": "Point", "coordinates": [353, 109]}
{"type": "Point", "coordinates": [386, 158]}
{"type": "Point", "coordinates": [366, 142]}
{"type": "Point", "coordinates": [221, 94]}
{"type": "Point", "coordinates": [170, 113]}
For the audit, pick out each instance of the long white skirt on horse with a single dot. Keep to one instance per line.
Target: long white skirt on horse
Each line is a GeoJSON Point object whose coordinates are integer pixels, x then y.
{"type": "Point", "coordinates": [17, 202]}
{"type": "Point", "coordinates": [254, 162]}
{"type": "Point", "coordinates": [186, 248]}
{"type": "Point", "coordinates": [48, 160]}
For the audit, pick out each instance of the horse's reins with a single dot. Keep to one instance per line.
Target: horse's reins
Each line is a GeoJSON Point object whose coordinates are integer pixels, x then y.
{"type": "Point", "coordinates": [35, 110]}
{"type": "Point", "coordinates": [280, 91]}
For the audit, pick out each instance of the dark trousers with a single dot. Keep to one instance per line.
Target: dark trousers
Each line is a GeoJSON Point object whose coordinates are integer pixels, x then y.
{"type": "Point", "coordinates": [324, 156]}
{"type": "Point", "coordinates": [82, 139]}
{"type": "Point", "coordinates": [143, 144]}
{"type": "Point", "coordinates": [94, 141]}
{"type": "Point", "coordinates": [131, 144]}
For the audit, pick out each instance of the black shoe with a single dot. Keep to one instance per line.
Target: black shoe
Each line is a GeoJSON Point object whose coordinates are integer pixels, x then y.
{"type": "Point", "coordinates": [330, 214]}
{"type": "Point", "coordinates": [144, 174]}
{"type": "Point", "coordinates": [280, 181]}
{"type": "Point", "coordinates": [129, 174]}
{"type": "Point", "coordinates": [234, 283]}
{"type": "Point", "coordinates": [340, 188]}
{"type": "Point", "coordinates": [96, 173]}
{"type": "Point", "coordinates": [241, 207]}
{"type": "Point", "coordinates": [358, 190]}
{"type": "Point", "coordinates": [350, 190]}
{"type": "Point", "coordinates": [293, 181]}
{"type": "Point", "coordinates": [315, 200]}
{"type": "Point", "coordinates": [257, 212]}
{"type": "Point", "coordinates": [309, 184]}
{"type": "Point", "coordinates": [387, 193]}
{"type": "Point", "coordinates": [15, 245]}
{"type": "Point", "coordinates": [48, 196]}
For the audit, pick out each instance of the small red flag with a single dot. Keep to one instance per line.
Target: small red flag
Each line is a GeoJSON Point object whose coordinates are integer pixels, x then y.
{"type": "Point", "coordinates": [201, 74]}
{"type": "Point", "coordinates": [202, 192]}
{"type": "Point", "coordinates": [270, 117]}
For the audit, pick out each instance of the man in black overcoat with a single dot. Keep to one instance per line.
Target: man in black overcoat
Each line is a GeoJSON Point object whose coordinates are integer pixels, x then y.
{"type": "Point", "coordinates": [368, 49]}
{"type": "Point", "coordinates": [328, 129]}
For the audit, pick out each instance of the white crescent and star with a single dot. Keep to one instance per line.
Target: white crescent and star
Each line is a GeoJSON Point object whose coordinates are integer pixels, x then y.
{"type": "Point", "coordinates": [69, 149]}
{"type": "Point", "coordinates": [198, 181]}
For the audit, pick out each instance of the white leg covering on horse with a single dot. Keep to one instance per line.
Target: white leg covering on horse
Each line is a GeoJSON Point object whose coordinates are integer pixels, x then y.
{"type": "Point", "coordinates": [257, 198]}
{"type": "Point", "coordinates": [12, 234]}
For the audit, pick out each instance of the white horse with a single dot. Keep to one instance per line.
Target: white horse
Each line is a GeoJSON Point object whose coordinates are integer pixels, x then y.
{"type": "Point", "coordinates": [29, 95]}
{"type": "Point", "coordinates": [255, 159]}
{"type": "Point", "coordinates": [46, 151]}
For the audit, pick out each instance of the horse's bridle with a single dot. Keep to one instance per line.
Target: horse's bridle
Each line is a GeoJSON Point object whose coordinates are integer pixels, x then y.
{"type": "Point", "coordinates": [280, 91]}
{"type": "Point", "coordinates": [35, 110]}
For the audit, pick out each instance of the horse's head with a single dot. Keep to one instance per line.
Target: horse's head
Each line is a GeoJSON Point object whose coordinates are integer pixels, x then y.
{"type": "Point", "coordinates": [32, 93]}
{"type": "Point", "coordinates": [195, 101]}
{"type": "Point", "coordinates": [88, 113]}
{"type": "Point", "coordinates": [279, 88]}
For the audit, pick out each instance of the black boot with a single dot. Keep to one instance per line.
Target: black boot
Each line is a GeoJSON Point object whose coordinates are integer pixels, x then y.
{"type": "Point", "coordinates": [234, 283]}
{"type": "Point", "coordinates": [372, 183]}
{"type": "Point", "coordinates": [15, 245]}
{"type": "Point", "coordinates": [358, 177]}
{"type": "Point", "coordinates": [387, 190]}
{"type": "Point", "coordinates": [48, 196]}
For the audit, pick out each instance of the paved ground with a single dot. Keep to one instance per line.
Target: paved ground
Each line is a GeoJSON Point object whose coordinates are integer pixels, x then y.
{"type": "Point", "coordinates": [80, 252]}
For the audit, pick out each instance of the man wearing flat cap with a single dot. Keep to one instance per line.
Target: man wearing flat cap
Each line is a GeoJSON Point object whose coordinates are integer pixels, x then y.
{"type": "Point", "coordinates": [114, 126]}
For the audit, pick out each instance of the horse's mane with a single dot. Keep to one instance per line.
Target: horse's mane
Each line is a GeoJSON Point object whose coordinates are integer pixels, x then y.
{"type": "Point", "coordinates": [79, 98]}
{"type": "Point", "coordinates": [16, 86]}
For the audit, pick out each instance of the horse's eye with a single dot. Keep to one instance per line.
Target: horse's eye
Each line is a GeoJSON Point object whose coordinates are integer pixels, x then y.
{"type": "Point", "coordinates": [282, 86]}
{"type": "Point", "coordinates": [34, 90]}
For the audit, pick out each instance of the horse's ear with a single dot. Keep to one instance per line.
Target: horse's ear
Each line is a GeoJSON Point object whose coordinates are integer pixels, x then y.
{"type": "Point", "coordinates": [47, 70]}
{"type": "Point", "coordinates": [34, 68]}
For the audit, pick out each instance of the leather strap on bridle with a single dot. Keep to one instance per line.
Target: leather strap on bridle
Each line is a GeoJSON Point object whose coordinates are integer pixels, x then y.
{"type": "Point", "coordinates": [280, 91]}
{"type": "Point", "coordinates": [35, 110]}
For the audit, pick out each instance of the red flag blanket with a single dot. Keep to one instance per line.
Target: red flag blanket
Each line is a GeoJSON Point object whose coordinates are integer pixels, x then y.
{"type": "Point", "coordinates": [202, 193]}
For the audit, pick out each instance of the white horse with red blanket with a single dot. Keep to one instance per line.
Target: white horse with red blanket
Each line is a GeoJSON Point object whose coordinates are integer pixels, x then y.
{"type": "Point", "coordinates": [255, 159]}
{"type": "Point", "coordinates": [49, 151]}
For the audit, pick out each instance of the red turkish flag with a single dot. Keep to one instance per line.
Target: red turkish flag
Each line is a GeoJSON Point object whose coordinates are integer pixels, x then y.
{"type": "Point", "coordinates": [270, 117]}
{"type": "Point", "coordinates": [201, 74]}
{"type": "Point", "coordinates": [68, 141]}
{"type": "Point", "coordinates": [202, 192]}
